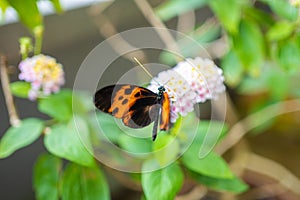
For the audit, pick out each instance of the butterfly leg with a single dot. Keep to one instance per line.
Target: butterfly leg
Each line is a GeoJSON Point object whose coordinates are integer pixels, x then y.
{"type": "Point", "coordinates": [156, 120]}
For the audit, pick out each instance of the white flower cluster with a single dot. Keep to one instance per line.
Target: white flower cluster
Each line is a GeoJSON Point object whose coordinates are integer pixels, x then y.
{"type": "Point", "coordinates": [188, 83]}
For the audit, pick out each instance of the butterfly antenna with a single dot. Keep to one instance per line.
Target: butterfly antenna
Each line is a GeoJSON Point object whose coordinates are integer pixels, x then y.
{"type": "Point", "coordinates": [147, 72]}
{"type": "Point", "coordinates": [142, 66]}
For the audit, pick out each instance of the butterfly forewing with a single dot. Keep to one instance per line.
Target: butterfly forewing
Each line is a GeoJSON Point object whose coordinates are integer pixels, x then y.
{"type": "Point", "coordinates": [131, 103]}
{"type": "Point", "coordinates": [136, 106]}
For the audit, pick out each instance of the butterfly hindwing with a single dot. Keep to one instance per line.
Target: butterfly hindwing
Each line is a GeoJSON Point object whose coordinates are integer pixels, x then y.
{"type": "Point", "coordinates": [140, 117]}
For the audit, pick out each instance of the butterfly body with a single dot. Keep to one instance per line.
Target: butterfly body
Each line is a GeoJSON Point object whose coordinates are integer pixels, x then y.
{"type": "Point", "coordinates": [135, 105]}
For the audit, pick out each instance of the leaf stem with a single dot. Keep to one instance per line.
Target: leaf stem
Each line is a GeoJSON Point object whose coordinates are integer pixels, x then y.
{"type": "Point", "coordinates": [38, 35]}
{"type": "Point", "coordinates": [13, 116]}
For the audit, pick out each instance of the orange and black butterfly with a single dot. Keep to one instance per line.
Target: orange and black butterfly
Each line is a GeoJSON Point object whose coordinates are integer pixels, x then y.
{"type": "Point", "coordinates": [136, 106]}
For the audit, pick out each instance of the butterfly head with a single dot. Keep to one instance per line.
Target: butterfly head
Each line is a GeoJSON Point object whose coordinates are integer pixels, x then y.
{"type": "Point", "coordinates": [161, 90]}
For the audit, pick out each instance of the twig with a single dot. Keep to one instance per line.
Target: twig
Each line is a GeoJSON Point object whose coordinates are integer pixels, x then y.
{"type": "Point", "coordinates": [107, 29]}
{"type": "Point", "coordinates": [196, 193]}
{"type": "Point", "coordinates": [217, 48]}
{"type": "Point", "coordinates": [273, 170]}
{"type": "Point", "coordinates": [166, 36]}
{"type": "Point", "coordinates": [247, 160]}
{"type": "Point", "coordinates": [245, 125]}
{"type": "Point", "coordinates": [13, 116]}
{"type": "Point", "coordinates": [266, 191]}
{"type": "Point", "coordinates": [186, 22]}
{"type": "Point", "coordinates": [237, 162]}
{"type": "Point", "coordinates": [231, 113]}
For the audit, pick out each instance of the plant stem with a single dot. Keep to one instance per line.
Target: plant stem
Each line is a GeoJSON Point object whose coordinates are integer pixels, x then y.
{"type": "Point", "coordinates": [118, 43]}
{"type": "Point", "coordinates": [273, 170]}
{"type": "Point", "coordinates": [13, 116]}
{"type": "Point", "coordinates": [186, 22]}
{"type": "Point", "coordinates": [38, 45]}
{"type": "Point", "coordinates": [238, 130]}
{"type": "Point", "coordinates": [38, 36]}
{"type": "Point", "coordinates": [166, 36]}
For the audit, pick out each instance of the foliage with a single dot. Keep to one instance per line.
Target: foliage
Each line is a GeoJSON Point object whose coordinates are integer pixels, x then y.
{"type": "Point", "coordinates": [258, 40]}
{"type": "Point", "coordinates": [263, 48]}
{"type": "Point", "coordinates": [162, 184]}
{"type": "Point", "coordinates": [17, 137]}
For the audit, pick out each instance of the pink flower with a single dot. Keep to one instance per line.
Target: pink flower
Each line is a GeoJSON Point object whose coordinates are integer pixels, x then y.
{"type": "Point", "coordinates": [188, 83]}
{"type": "Point", "coordinates": [44, 74]}
{"type": "Point", "coordinates": [204, 76]}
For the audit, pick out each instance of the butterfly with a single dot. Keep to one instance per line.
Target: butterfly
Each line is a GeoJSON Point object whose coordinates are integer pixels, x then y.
{"type": "Point", "coordinates": [136, 106]}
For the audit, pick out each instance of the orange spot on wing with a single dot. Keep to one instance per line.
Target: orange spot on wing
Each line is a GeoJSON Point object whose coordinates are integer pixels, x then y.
{"type": "Point", "coordinates": [123, 99]}
{"type": "Point", "coordinates": [120, 102]}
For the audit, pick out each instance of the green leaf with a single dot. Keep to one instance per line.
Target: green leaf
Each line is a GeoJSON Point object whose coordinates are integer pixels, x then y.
{"type": "Point", "coordinates": [265, 19]}
{"type": "Point", "coordinates": [106, 124]}
{"type": "Point", "coordinates": [283, 9]}
{"type": "Point", "coordinates": [233, 185]}
{"type": "Point", "coordinates": [57, 6]}
{"type": "Point", "coordinates": [82, 103]}
{"type": "Point", "coordinates": [252, 86]}
{"type": "Point", "coordinates": [71, 141]}
{"type": "Point", "coordinates": [166, 148]}
{"type": "Point", "coordinates": [84, 183]}
{"type": "Point", "coordinates": [20, 89]}
{"type": "Point", "coordinates": [18, 137]}
{"type": "Point", "coordinates": [278, 91]}
{"type": "Point", "coordinates": [212, 165]}
{"type": "Point", "coordinates": [233, 69]}
{"type": "Point", "coordinates": [170, 9]}
{"type": "Point", "coordinates": [228, 12]}
{"type": "Point", "coordinates": [249, 46]}
{"type": "Point", "coordinates": [63, 105]}
{"type": "Point", "coordinates": [135, 145]}
{"type": "Point", "coordinates": [281, 30]}
{"type": "Point", "coordinates": [58, 106]}
{"type": "Point", "coordinates": [113, 129]}
{"type": "Point", "coordinates": [212, 33]}
{"type": "Point", "coordinates": [162, 184]}
{"type": "Point", "coordinates": [28, 13]}
{"type": "Point", "coordinates": [46, 177]}
{"type": "Point", "coordinates": [288, 55]}
{"type": "Point", "coordinates": [3, 6]}
{"type": "Point", "coordinates": [210, 131]}
{"type": "Point", "coordinates": [207, 135]}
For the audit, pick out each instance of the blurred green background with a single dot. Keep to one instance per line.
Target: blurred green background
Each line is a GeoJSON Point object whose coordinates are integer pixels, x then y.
{"type": "Point", "coordinates": [256, 43]}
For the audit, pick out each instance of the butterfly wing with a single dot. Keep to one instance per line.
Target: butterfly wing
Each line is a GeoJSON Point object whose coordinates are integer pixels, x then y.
{"type": "Point", "coordinates": [134, 104]}
{"type": "Point", "coordinates": [165, 112]}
